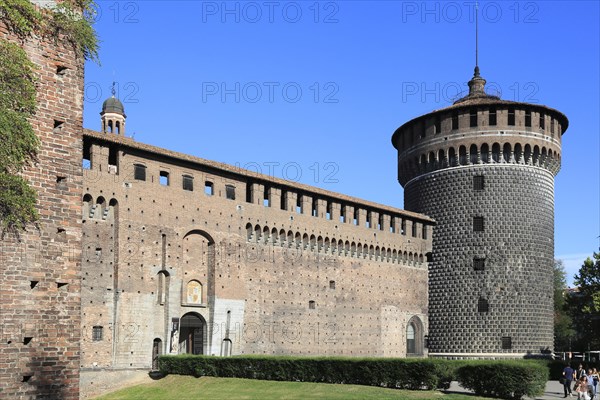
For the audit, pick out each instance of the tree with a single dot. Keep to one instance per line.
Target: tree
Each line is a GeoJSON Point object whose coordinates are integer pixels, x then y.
{"type": "Point", "coordinates": [584, 305]}
{"type": "Point", "coordinates": [563, 324]}
{"type": "Point", "coordinates": [70, 20]}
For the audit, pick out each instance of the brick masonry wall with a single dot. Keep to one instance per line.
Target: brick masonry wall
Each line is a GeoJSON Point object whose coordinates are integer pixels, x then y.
{"type": "Point", "coordinates": [258, 284]}
{"type": "Point", "coordinates": [40, 276]}
{"type": "Point", "coordinates": [517, 204]}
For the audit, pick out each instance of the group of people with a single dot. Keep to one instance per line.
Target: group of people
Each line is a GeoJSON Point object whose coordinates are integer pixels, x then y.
{"type": "Point", "coordinates": [586, 383]}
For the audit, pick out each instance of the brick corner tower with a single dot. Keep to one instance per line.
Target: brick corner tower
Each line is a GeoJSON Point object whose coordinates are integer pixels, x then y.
{"type": "Point", "coordinates": [484, 169]}
{"type": "Point", "coordinates": [40, 273]}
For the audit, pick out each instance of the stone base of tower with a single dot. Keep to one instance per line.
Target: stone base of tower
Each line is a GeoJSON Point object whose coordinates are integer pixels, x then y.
{"type": "Point", "coordinates": [490, 287]}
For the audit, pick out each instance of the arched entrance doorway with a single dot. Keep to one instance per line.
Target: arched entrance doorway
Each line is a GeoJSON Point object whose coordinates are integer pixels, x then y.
{"type": "Point", "coordinates": [191, 334]}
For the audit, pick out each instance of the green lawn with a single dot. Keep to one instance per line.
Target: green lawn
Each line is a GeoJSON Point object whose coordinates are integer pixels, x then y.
{"type": "Point", "coordinates": [186, 387]}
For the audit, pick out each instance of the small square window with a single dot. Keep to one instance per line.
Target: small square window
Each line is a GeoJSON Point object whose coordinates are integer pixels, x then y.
{"type": "Point", "coordinates": [331, 284]}
{"type": "Point", "coordinates": [506, 343]}
{"type": "Point", "coordinates": [97, 333]}
{"type": "Point", "coordinates": [478, 225]}
{"type": "Point", "coordinates": [230, 192]}
{"type": "Point", "coordinates": [188, 182]}
{"type": "Point", "coordinates": [479, 264]}
{"type": "Point", "coordinates": [478, 182]}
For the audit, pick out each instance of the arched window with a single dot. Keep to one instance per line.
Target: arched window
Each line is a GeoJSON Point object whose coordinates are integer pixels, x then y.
{"type": "Point", "coordinates": [414, 337]}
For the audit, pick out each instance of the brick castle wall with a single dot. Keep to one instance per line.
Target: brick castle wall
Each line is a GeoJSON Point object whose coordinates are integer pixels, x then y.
{"type": "Point", "coordinates": [40, 276]}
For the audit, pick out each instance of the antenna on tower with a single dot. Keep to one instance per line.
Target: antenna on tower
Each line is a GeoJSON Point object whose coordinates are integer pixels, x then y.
{"type": "Point", "coordinates": [112, 90]}
{"type": "Point", "coordinates": [476, 34]}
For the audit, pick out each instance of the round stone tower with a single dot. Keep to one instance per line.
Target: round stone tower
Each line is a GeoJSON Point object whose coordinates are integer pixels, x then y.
{"type": "Point", "coordinates": [484, 169]}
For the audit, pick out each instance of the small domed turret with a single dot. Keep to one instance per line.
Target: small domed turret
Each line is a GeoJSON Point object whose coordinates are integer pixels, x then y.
{"type": "Point", "coordinates": [113, 105]}
{"type": "Point", "coordinates": [113, 115]}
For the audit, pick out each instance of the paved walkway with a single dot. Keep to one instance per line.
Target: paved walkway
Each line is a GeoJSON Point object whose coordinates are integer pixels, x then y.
{"type": "Point", "coordinates": [554, 390]}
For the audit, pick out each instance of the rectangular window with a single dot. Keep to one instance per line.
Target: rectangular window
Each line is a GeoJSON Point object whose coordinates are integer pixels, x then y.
{"type": "Point", "coordinates": [284, 196]}
{"type": "Point", "coordinates": [208, 188]}
{"type": "Point", "coordinates": [97, 333]}
{"type": "Point", "coordinates": [454, 120]}
{"type": "Point", "coordinates": [299, 204]}
{"type": "Point", "coordinates": [506, 343]}
{"type": "Point", "coordinates": [552, 126]}
{"type": "Point", "coordinates": [311, 304]}
{"type": "Point", "coordinates": [542, 121]}
{"type": "Point", "coordinates": [511, 116]}
{"type": "Point", "coordinates": [139, 172]}
{"type": "Point", "coordinates": [164, 178]}
{"type": "Point", "coordinates": [414, 229]}
{"type": "Point", "coordinates": [188, 182]}
{"type": "Point", "coordinates": [479, 264]}
{"type": "Point", "coordinates": [393, 224]}
{"type": "Point", "coordinates": [424, 231]}
{"type": "Point", "coordinates": [473, 117]}
{"type": "Point", "coordinates": [328, 210]}
{"type": "Point", "coordinates": [403, 227]}
{"type": "Point", "coordinates": [342, 213]}
{"type": "Point", "coordinates": [478, 183]}
{"type": "Point", "coordinates": [482, 305]}
{"type": "Point", "coordinates": [477, 224]}
{"type": "Point", "coordinates": [230, 192]}
{"type": "Point", "coordinates": [331, 284]}
{"type": "Point", "coordinates": [437, 124]}
{"type": "Point", "coordinates": [267, 197]}
{"type": "Point", "coordinates": [527, 117]}
{"type": "Point", "coordinates": [492, 117]}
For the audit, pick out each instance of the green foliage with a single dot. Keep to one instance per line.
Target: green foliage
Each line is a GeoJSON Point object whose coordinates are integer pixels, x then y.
{"type": "Point", "coordinates": [20, 16]}
{"type": "Point", "coordinates": [584, 305]}
{"type": "Point", "coordinates": [18, 142]}
{"type": "Point", "coordinates": [72, 19]}
{"type": "Point", "coordinates": [563, 325]}
{"type": "Point", "coordinates": [412, 374]}
{"type": "Point", "coordinates": [505, 379]}
{"type": "Point", "coordinates": [17, 204]}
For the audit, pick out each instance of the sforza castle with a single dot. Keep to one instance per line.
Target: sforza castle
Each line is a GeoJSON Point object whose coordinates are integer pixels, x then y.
{"type": "Point", "coordinates": [156, 252]}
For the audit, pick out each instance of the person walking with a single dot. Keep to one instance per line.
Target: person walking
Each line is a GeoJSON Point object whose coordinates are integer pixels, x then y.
{"type": "Point", "coordinates": [595, 377]}
{"type": "Point", "coordinates": [590, 383]}
{"type": "Point", "coordinates": [568, 376]}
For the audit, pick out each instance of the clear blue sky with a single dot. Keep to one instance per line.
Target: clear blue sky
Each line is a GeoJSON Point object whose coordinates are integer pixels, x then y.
{"type": "Point", "coordinates": [312, 91]}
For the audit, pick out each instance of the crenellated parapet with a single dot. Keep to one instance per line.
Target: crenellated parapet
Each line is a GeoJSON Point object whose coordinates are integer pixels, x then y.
{"type": "Point", "coordinates": [483, 130]}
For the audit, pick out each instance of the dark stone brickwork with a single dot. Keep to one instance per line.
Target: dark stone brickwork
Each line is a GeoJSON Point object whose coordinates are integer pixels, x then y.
{"type": "Point", "coordinates": [517, 205]}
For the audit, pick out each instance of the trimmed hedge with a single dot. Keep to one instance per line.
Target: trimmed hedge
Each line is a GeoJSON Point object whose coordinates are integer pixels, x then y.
{"type": "Point", "coordinates": [504, 379]}
{"type": "Point", "coordinates": [412, 374]}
